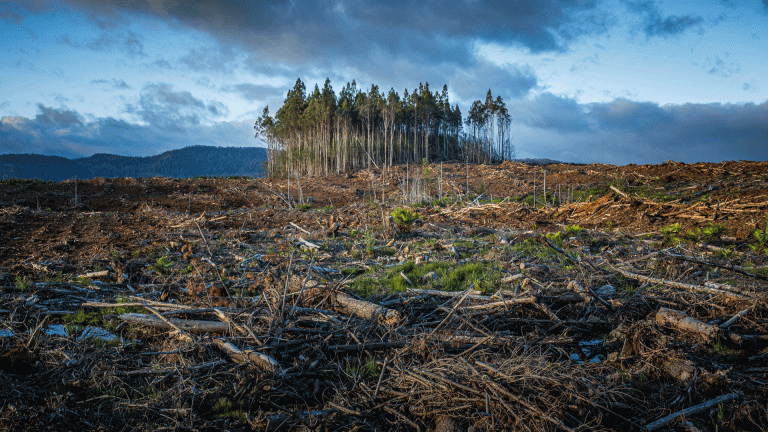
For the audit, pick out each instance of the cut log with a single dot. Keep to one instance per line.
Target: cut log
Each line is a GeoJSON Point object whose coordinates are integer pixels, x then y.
{"type": "Point", "coordinates": [348, 305]}
{"type": "Point", "coordinates": [684, 323]}
{"type": "Point", "coordinates": [193, 326]}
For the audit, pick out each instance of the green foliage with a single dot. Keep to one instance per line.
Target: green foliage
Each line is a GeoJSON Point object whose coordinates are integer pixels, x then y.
{"type": "Point", "coordinates": [761, 240]}
{"type": "Point", "coordinates": [529, 200]}
{"type": "Point", "coordinates": [162, 265]}
{"type": "Point", "coordinates": [555, 238]}
{"type": "Point", "coordinates": [370, 242]}
{"type": "Point", "coordinates": [573, 229]}
{"type": "Point", "coordinates": [531, 248]}
{"type": "Point", "coordinates": [718, 418]}
{"type": "Point", "coordinates": [449, 278]}
{"type": "Point", "coordinates": [404, 218]}
{"type": "Point", "coordinates": [57, 277]}
{"type": "Point", "coordinates": [304, 207]}
{"type": "Point", "coordinates": [726, 252]}
{"type": "Point", "coordinates": [225, 409]}
{"type": "Point", "coordinates": [22, 282]}
{"type": "Point", "coordinates": [127, 309]}
{"type": "Point", "coordinates": [708, 233]}
{"type": "Point", "coordinates": [671, 233]}
{"type": "Point", "coordinates": [355, 370]}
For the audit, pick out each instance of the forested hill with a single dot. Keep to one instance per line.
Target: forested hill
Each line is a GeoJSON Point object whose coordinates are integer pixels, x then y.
{"type": "Point", "coordinates": [187, 162]}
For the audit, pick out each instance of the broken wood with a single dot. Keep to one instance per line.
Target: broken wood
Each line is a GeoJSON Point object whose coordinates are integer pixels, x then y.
{"type": "Point", "coordinates": [684, 323]}
{"type": "Point", "coordinates": [348, 305]}
{"type": "Point", "coordinates": [262, 361]}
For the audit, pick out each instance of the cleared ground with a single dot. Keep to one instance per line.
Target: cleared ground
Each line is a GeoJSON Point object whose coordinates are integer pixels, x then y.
{"type": "Point", "coordinates": [635, 292]}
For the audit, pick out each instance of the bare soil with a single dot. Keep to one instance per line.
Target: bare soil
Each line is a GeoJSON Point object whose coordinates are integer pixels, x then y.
{"type": "Point", "coordinates": [552, 324]}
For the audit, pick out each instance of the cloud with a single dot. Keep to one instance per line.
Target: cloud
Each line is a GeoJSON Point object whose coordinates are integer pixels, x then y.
{"type": "Point", "coordinates": [253, 92]}
{"type": "Point", "coordinates": [128, 42]}
{"type": "Point", "coordinates": [624, 131]}
{"type": "Point", "coordinates": [11, 16]}
{"type": "Point", "coordinates": [114, 84]}
{"type": "Point", "coordinates": [551, 112]}
{"type": "Point", "coordinates": [63, 132]}
{"type": "Point", "coordinates": [719, 67]}
{"type": "Point", "coordinates": [765, 4]}
{"type": "Point", "coordinates": [164, 108]}
{"type": "Point", "coordinates": [654, 24]}
{"type": "Point", "coordinates": [209, 59]}
{"type": "Point", "coordinates": [510, 81]}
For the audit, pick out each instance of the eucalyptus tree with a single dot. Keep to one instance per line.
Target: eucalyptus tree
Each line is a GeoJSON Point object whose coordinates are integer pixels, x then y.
{"type": "Point", "coordinates": [321, 132]}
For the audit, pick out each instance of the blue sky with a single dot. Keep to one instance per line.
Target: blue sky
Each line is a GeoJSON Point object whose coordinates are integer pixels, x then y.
{"type": "Point", "coordinates": [615, 81]}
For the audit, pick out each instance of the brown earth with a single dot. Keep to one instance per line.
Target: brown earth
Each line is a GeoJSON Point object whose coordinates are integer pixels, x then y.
{"type": "Point", "coordinates": [244, 246]}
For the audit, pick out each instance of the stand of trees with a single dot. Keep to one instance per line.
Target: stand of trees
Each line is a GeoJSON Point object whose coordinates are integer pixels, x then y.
{"type": "Point", "coordinates": [322, 133]}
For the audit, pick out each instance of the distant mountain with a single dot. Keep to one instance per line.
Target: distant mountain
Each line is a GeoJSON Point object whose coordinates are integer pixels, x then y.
{"type": "Point", "coordinates": [187, 162]}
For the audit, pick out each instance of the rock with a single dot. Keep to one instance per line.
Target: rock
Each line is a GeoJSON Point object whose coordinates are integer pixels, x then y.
{"type": "Point", "coordinates": [606, 291]}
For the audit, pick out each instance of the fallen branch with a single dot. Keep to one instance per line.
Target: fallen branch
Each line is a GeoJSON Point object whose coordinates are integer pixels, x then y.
{"type": "Point", "coordinates": [193, 326]}
{"type": "Point", "coordinates": [681, 285]}
{"type": "Point", "coordinates": [658, 424]}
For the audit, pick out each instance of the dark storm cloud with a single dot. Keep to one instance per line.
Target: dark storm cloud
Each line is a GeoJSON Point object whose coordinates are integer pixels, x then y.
{"type": "Point", "coordinates": [299, 31]}
{"type": "Point", "coordinates": [253, 92]}
{"type": "Point", "coordinates": [624, 131]}
{"type": "Point", "coordinates": [551, 112]}
{"type": "Point", "coordinates": [164, 108]}
{"type": "Point", "coordinates": [63, 132]}
{"type": "Point", "coordinates": [114, 84]}
{"type": "Point", "coordinates": [765, 4]}
{"type": "Point", "coordinates": [654, 24]}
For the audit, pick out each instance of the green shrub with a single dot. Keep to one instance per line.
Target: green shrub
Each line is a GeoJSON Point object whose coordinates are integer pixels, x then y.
{"type": "Point", "coordinates": [404, 218]}
{"type": "Point", "coordinates": [761, 240]}
{"type": "Point", "coordinates": [671, 233]}
{"type": "Point", "coordinates": [22, 282]}
{"type": "Point", "coordinates": [573, 229]}
{"type": "Point", "coordinates": [162, 265]}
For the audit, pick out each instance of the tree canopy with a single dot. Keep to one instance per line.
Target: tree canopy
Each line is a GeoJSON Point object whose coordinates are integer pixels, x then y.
{"type": "Point", "coordinates": [324, 133]}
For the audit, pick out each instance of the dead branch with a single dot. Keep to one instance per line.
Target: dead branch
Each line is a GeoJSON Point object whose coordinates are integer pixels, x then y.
{"type": "Point", "coordinates": [658, 424]}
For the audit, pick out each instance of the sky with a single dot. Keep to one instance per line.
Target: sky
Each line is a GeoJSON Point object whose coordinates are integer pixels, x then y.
{"type": "Point", "coordinates": [613, 81]}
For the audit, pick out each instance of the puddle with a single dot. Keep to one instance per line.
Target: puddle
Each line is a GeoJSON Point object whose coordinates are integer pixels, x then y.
{"type": "Point", "coordinates": [80, 332]}
{"type": "Point", "coordinates": [589, 351]}
{"type": "Point", "coordinates": [6, 333]}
